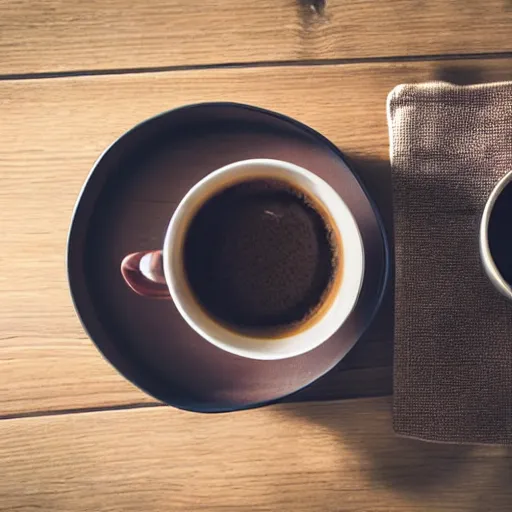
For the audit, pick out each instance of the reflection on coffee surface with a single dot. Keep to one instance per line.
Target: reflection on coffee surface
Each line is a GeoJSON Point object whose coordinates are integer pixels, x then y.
{"type": "Point", "coordinates": [260, 256]}
{"type": "Point", "coordinates": [500, 233]}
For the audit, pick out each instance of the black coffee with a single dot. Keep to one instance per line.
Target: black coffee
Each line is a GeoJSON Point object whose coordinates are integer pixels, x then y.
{"type": "Point", "coordinates": [259, 256]}
{"type": "Point", "coordinates": [500, 233]}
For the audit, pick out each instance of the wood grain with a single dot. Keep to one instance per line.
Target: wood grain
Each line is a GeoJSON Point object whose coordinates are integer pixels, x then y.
{"type": "Point", "coordinates": [52, 131]}
{"type": "Point", "coordinates": [56, 36]}
{"type": "Point", "coordinates": [301, 457]}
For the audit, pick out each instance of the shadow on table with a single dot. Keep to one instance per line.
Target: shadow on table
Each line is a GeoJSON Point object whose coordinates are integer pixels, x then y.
{"type": "Point", "coordinates": [400, 464]}
{"type": "Point", "coordinates": [432, 475]}
{"type": "Point", "coordinates": [489, 493]}
{"type": "Point", "coordinates": [471, 71]}
{"type": "Point", "coordinates": [465, 74]}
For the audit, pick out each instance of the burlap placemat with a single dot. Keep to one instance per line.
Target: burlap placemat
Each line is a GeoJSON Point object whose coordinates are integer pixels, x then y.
{"type": "Point", "coordinates": [450, 145]}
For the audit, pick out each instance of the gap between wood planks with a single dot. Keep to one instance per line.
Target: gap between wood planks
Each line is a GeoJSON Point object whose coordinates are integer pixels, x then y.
{"type": "Point", "coordinates": [258, 64]}
{"type": "Point", "coordinates": [81, 410]}
{"type": "Point", "coordinates": [145, 405]}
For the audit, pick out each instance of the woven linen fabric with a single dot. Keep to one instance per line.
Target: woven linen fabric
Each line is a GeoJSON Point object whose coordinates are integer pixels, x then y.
{"type": "Point", "coordinates": [450, 145]}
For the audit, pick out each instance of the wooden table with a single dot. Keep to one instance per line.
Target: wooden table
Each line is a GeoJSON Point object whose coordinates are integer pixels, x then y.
{"type": "Point", "coordinates": [75, 436]}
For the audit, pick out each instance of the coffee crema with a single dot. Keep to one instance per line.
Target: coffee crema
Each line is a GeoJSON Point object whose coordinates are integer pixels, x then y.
{"type": "Point", "coordinates": [261, 257]}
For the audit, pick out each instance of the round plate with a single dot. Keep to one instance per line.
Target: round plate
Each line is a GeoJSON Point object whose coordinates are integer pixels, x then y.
{"type": "Point", "coordinates": [126, 205]}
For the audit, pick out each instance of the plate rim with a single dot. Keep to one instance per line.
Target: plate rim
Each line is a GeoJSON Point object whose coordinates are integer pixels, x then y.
{"type": "Point", "coordinates": [304, 128]}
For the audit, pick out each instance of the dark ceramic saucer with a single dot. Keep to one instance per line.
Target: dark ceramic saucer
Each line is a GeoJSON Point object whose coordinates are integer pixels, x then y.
{"type": "Point", "coordinates": [126, 205]}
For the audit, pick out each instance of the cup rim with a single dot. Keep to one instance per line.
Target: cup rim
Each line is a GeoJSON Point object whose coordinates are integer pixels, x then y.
{"type": "Point", "coordinates": [485, 252]}
{"type": "Point", "coordinates": [212, 331]}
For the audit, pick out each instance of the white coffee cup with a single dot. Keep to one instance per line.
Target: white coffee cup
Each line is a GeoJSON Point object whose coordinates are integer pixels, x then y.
{"type": "Point", "coordinates": [485, 253]}
{"type": "Point", "coordinates": [161, 273]}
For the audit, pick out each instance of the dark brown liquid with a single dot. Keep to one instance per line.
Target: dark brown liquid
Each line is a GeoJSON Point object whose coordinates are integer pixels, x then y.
{"type": "Point", "coordinates": [259, 256]}
{"type": "Point", "coordinates": [500, 233]}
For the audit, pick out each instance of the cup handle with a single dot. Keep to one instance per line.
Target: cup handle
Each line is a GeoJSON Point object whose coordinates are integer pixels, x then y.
{"type": "Point", "coordinates": [144, 274]}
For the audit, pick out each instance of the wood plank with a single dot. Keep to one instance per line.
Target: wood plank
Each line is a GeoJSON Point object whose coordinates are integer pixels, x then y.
{"type": "Point", "coordinates": [51, 133]}
{"type": "Point", "coordinates": [56, 35]}
{"type": "Point", "coordinates": [301, 457]}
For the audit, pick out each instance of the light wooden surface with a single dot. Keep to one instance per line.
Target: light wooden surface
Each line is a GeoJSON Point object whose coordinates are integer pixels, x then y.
{"type": "Point", "coordinates": [302, 457]}
{"type": "Point", "coordinates": [329, 67]}
{"type": "Point", "coordinates": [75, 35]}
{"type": "Point", "coordinates": [51, 133]}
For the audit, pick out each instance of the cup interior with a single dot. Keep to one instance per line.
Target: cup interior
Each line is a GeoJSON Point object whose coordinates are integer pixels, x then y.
{"type": "Point", "coordinates": [495, 240]}
{"type": "Point", "coordinates": [335, 308]}
{"type": "Point", "coordinates": [495, 236]}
